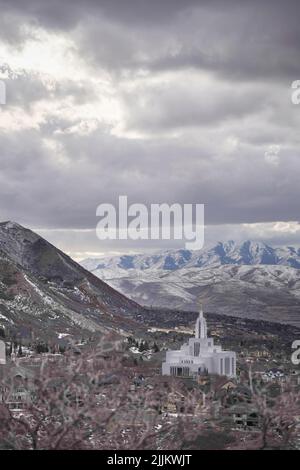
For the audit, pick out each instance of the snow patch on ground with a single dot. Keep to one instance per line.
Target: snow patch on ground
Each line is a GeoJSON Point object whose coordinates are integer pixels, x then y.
{"type": "Point", "coordinates": [46, 299]}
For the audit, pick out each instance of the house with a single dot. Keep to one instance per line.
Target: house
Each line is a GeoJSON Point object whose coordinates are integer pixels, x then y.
{"type": "Point", "coordinates": [177, 402]}
{"type": "Point", "coordinates": [273, 374]}
{"type": "Point", "coordinates": [243, 416]}
{"type": "Point", "coordinates": [16, 386]}
{"type": "Point", "coordinates": [16, 383]}
{"type": "Point", "coordinates": [223, 386]}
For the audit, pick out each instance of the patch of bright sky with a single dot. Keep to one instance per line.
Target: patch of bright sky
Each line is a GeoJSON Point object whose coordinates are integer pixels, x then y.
{"type": "Point", "coordinates": [54, 59]}
{"type": "Point", "coordinates": [47, 53]}
{"type": "Point", "coordinates": [268, 229]}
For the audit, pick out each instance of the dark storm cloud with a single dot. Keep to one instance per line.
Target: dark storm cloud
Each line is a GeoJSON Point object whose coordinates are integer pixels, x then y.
{"type": "Point", "coordinates": [204, 88]}
{"type": "Point", "coordinates": [41, 187]}
{"type": "Point", "coordinates": [244, 39]}
{"type": "Point", "coordinates": [57, 14]}
{"type": "Point", "coordinates": [188, 102]}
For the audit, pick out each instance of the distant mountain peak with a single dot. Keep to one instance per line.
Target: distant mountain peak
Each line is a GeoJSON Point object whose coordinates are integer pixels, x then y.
{"type": "Point", "coordinates": [247, 252]}
{"type": "Point", "coordinates": [249, 279]}
{"type": "Point", "coordinates": [8, 224]}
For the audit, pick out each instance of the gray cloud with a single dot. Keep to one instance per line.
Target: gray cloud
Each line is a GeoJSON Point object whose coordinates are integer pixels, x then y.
{"type": "Point", "coordinates": [39, 186]}
{"type": "Point", "coordinates": [202, 93]}
{"type": "Point", "coordinates": [185, 102]}
{"type": "Point", "coordinates": [172, 34]}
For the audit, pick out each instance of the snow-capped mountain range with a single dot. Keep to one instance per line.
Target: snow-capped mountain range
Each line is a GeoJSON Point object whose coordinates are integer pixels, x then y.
{"type": "Point", "coordinates": [228, 253]}
{"type": "Point", "coordinates": [249, 279]}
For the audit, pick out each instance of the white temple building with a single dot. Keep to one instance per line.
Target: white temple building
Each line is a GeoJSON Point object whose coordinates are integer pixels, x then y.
{"type": "Point", "coordinates": [200, 355]}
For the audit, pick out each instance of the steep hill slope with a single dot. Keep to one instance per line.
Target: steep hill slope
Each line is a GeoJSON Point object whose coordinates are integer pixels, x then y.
{"type": "Point", "coordinates": [43, 292]}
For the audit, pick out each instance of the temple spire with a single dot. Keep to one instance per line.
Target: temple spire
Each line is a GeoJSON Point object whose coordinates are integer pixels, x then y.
{"type": "Point", "coordinates": [200, 310]}
{"type": "Point", "coordinates": [201, 326]}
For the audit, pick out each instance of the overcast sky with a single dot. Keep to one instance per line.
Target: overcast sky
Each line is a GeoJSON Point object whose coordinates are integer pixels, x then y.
{"type": "Point", "coordinates": [162, 100]}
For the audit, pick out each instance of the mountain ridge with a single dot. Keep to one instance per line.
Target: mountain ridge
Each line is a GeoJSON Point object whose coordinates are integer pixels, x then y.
{"type": "Point", "coordinates": [223, 253]}
{"type": "Point", "coordinates": [250, 280]}
{"type": "Point", "coordinates": [42, 288]}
